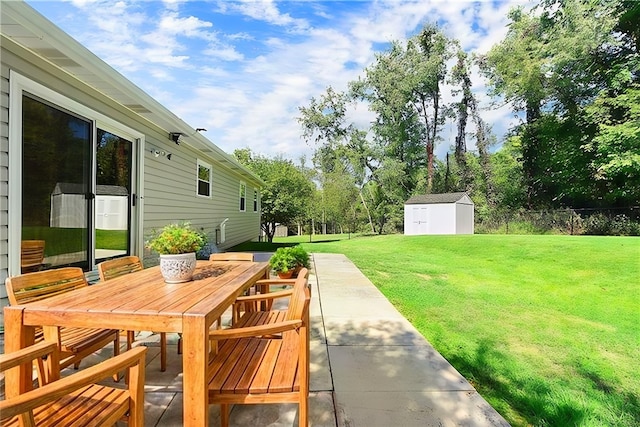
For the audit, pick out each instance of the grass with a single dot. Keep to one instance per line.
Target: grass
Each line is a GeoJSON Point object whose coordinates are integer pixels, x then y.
{"type": "Point", "coordinates": [68, 240]}
{"type": "Point", "coordinates": [545, 327]}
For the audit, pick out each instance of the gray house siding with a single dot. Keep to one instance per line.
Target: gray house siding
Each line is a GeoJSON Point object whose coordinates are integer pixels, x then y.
{"type": "Point", "coordinates": [166, 187]}
{"type": "Point", "coordinates": [170, 194]}
{"type": "Point", "coordinates": [4, 175]}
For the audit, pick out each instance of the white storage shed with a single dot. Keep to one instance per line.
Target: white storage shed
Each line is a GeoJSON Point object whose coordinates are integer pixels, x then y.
{"type": "Point", "coordinates": [448, 213]}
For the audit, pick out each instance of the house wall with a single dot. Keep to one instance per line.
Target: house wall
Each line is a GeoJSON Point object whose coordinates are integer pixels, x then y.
{"type": "Point", "coordinates": [4, 173]}
{"type": "Point", "coordinates": [170, 195]}
{"type": "Point", "coordinates": [168, 187]}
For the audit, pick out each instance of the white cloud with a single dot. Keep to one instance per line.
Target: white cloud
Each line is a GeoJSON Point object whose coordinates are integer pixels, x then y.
{"type": "Point", "coordinates": [267, 10]}
{"type": "Point", "coordinates": [241, 69]}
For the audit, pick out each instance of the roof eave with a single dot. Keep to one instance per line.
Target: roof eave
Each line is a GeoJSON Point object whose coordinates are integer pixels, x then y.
{"type": "Point", "coordinates": [42, 37]}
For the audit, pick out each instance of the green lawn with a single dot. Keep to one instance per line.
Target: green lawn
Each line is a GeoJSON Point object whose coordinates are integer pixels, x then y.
{"type": "Point", "coordinates": [547, 328]}
{"type": "Point", "coordinates": [68, 240]}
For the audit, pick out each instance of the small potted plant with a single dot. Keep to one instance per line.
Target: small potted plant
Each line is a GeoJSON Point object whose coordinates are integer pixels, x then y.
{"type": "Point", "coordinates": [301, 256]}
{"type": "Point", "coordinates": [283, 262]}
{"type": "Point", "coordinates": [288, 261]}
{"type": "Point", "coordinates": [177, 245]}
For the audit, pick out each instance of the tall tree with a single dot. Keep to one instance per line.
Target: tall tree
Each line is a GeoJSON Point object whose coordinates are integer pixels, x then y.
{"type": "Point", "coordinates": [287, 193]}
{"type": "Point", "coordinates": [550, 66]}
{"type": "Point", "coordinates": [403, 87]}
{"type": "Point", "coordinates": [615, 149]}
{"type": "Point", "coordinates": [344, 149]}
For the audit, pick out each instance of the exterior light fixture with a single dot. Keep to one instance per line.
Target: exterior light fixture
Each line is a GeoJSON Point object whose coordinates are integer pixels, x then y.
{"type": "Point", "coordinates": [176, 137]}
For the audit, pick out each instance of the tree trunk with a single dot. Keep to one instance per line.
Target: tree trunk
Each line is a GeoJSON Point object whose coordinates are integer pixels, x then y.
{"type": "Point", "coordinates": [373, 230]}
{"type": "Point", "coordinates": [269, 229]}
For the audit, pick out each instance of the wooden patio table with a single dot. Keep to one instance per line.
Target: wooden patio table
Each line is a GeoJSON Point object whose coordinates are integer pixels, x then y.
{"type": "Point", "coordinates": [142, 301]}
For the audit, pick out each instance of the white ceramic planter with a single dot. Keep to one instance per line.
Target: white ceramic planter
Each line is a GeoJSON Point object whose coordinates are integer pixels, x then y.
{"type": "Point", "coordinates": [178, 268]}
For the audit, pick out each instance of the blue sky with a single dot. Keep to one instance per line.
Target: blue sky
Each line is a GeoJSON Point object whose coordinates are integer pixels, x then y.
{"type": "Point", "coordinates": [241, 69]}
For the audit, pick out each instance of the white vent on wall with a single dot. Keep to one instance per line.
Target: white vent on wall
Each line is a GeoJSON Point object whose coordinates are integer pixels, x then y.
{"type": "Point", "coordinates": [223, 226]}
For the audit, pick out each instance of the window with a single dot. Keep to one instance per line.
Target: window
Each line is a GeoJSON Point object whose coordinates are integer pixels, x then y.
{"type": "Point", "coordinates": [77, 185]}
{"type": "Point", "coordinates": [204, 179]}
{"type": "Point", "coordinates": [255, 200]}
{"type": "Point", "coordinates": [243, 197]}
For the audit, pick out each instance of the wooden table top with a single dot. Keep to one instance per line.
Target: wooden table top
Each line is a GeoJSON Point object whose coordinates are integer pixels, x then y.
{"type": "Point", "coordinates": [143, 301]}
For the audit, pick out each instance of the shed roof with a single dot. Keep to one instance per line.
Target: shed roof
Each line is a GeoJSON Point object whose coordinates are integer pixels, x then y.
{"type": "Point", "coordinates": [430, 199]}
{"type": "Point", "coordinates": [101, 190]}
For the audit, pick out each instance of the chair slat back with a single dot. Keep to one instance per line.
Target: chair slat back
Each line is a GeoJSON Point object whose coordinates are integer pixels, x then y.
{"type": "Point", "coordinates": [31, 252]}
{"type": "Point", "coordinates": [119, 266]}
{"type": "Point", "coordinates": [297, 302]}
{"type": "Point", "coordinates": [231, 256]}
{"type": "Point", "coordinates": [37, 286]}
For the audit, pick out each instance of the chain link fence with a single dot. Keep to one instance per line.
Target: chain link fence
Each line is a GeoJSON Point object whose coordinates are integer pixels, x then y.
{"type": "Point", "coordinates": [608, 222]}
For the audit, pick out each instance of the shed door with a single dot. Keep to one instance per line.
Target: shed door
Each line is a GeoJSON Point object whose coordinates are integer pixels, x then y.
{"type": "Point", "coordinates": [420, 219]}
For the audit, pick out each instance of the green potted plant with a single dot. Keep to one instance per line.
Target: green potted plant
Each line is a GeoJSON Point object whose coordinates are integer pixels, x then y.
{"type": "Point", "coordinates": [287, 261]}
{"type": "Point", "coordinates": [283, 262]}
{"type": "Point", "coordinates": [177, 245]}
{"type": "Point", "coordinates": [302, 257]}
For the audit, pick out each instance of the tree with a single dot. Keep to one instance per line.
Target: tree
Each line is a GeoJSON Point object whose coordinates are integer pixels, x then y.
{"type": "Point", "coordinates": [506, 164]}
{"type": "Point", "coordinates": [403, 88]}
{"type": "Point", "coordinates": [469, 105]}
{"type": "Point", "coordinates": [554, 62]}
{"type": "Point", "coordinates": [287, 191]}
{"type": "Point", "coordinates": [344, 153]}
{"type": "Point", "coordinates": [615, 149]}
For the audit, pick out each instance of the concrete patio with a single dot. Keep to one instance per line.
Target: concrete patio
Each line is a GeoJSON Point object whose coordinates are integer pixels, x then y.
{"type": "Point", "coordinates": [369, 367]}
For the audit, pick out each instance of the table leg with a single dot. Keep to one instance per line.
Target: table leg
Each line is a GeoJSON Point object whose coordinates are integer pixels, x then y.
{"type": "Point", "coordinates": [17, 336]}
{"type": "Point", "coordinates": [195, 337]}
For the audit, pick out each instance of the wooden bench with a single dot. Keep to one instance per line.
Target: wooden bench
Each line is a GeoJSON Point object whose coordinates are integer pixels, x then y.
{"type": "Point", "coordinates": [76, 399]}
{"type": "Point", "coordinates": [266, 360]}
{"type": "Point", "coordinates": [74, 343]}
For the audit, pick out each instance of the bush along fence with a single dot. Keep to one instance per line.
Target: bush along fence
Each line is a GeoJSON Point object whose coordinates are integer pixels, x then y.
{"type": "Point", "coordinates": [603, 222]}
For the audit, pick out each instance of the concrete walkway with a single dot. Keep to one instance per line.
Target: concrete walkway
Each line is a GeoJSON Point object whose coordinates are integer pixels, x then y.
{"type": "Point", "coordinates": [384, 372]}
{"type": "Point", "coordinates": [369, 367]}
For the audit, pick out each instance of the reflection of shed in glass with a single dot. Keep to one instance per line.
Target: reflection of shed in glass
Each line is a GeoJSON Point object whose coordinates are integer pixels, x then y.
{"type": "Point", "coordinates": [68, 206]}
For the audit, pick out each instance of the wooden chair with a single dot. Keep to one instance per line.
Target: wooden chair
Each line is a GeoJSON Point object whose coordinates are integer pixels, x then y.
{"type": "Point", "coordinates": [124, 265]}
{"type": "Point", "coordinates": [265, 358]}
{"type": "Point", "coordinates": [31, 255]}
{"type": "Point", "coordinates": [257, 303]}
{"type": "Point", "coordinates": [231, 256]}
{"type": "Point", "coordinates": [77, 399]}
{"type": "Point", "coordinates": [74, 343]}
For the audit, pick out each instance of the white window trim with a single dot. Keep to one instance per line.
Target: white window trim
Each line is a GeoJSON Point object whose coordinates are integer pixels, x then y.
{"type": "Point", "coordinates": [18, 84]}
{"type": "Point", "coordinates": [208, 166]}
{"type": "Point", "coordinates": [256, 200]}
{"type": "Point", "coordinates": [242, 185]}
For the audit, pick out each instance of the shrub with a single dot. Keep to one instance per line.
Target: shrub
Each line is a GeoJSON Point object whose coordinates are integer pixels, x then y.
{"type": "Point", "coordinates": [301, 256]}
{"type": "Point", "coordinates": [602, 225]}
{"type": "Point", "coordinates": [176, 239]}
{"type": "Point", "coordinates": [283, 260]}
{"type": "Point", "coordinates": [289, 258]}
